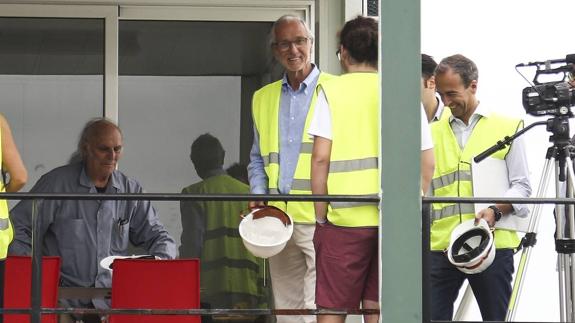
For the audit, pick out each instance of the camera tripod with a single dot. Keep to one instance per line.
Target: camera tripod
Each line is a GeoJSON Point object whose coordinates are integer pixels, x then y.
{"type": "Point", "coordinates": [560, 155]}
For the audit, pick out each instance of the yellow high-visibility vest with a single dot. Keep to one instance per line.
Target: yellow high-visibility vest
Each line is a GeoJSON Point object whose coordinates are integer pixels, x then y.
{"type": "Point", "coordinates": [353, 100]}
{"type": "Point", "coordinates": [452, 177]}
{"type": "Point", "coordinates": [265, 111]}
{"type": "Point", "coordinates": [6, 231]}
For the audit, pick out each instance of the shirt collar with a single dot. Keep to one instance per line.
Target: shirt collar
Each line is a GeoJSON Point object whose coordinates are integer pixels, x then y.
{"type": "Point", "coordinates": [480, 111]}
{"type": "Point", "coordinates": [440, 108]}
{"type": "Point", "coordinates": [306, 82]}
{"type": "Point", "coordinates": [87, 182]}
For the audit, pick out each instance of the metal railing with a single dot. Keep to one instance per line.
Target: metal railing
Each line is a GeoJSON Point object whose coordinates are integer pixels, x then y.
{"type": "Point", "coordinates": [36, 310]}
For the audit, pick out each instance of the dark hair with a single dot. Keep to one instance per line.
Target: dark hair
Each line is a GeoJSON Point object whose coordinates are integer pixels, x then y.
{"type": "Point", "coordinates": [360, 37]}
{"type": "Point", "coordinates": [239, 172]}
{"type": "Point", "coordinates": [207, 152]}
{"type": "Point", "coordinates": [461, 65]}
{"type": "Point", "coordinates": [93, 128]}
{"type": "Point", "coordinates": [428, 66]}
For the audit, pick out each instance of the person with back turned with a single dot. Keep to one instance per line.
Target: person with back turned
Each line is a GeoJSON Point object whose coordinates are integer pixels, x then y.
{"type": "Point", "coordinates": [230, 276]}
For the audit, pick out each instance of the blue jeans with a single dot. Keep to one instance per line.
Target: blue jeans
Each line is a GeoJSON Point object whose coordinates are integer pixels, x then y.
{"type": "Point", "coordinates": [492, 287]}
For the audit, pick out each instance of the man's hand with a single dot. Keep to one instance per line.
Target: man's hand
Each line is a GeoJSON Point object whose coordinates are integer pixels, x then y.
{"type": "Point", "coordinates": [488, 215]}
{"type": "Point", "coordinates": [256, 204]}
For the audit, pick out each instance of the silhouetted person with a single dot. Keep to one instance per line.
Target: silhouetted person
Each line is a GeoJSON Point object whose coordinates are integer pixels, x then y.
{"type": "Point", "coordinates": [230, 276]}
{"type": "Point", "coordinates": [239, 172]}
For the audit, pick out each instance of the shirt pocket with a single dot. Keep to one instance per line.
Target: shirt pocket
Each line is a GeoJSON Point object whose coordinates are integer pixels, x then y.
{"type": "Point", "coordinates": [120, 236]}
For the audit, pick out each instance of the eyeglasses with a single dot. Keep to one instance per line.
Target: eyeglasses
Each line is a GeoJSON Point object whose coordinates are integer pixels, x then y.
{"type": "Point", "coordinates": [338, 53]}
{"type": "Point", "coordinates": [285, 45]}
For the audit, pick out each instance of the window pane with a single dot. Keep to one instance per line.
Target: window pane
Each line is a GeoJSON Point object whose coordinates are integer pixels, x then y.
{"type": "Point", "coordinates": [51, 83]}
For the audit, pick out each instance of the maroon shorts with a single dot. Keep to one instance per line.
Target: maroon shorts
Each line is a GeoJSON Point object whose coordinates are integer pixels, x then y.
{"type": "Point", "coordinates": [346, 266]}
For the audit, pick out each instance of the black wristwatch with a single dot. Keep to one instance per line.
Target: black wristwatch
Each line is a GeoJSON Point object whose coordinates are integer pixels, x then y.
{"type": "Point", "coordinates": [497, 212]}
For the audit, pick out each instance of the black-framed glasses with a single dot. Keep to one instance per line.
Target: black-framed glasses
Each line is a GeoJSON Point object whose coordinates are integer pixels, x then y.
{"type": "Point", "coordinates": [285, 45]}
{"type": "Point", "coordinates": [338, 54]}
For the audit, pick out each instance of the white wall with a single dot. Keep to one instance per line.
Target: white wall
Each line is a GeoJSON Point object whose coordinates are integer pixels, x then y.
{"type": "Point", "coordinates": [497, 35]}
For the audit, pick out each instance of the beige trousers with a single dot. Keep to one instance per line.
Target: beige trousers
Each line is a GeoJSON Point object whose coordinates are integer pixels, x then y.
{"type": "Point", "coordinates": [293, 275]}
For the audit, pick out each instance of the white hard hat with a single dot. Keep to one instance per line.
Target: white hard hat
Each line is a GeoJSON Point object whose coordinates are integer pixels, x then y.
{"type": "Point", "coordinates": [471, 248]}
{"type": "Point", "coordinates": [265, 231]}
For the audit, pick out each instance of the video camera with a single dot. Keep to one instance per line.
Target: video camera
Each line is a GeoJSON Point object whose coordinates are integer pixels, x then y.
{"type": "Point", "coordinates": [551, 98]}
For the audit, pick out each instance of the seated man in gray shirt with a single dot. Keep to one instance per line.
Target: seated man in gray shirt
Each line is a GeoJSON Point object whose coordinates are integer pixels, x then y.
{"type": "Point", "coordinates": [83, 232]}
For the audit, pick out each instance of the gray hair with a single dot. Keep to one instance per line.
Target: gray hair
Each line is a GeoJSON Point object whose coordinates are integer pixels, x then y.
{"type": "Point", "coordinates": [287, 18]}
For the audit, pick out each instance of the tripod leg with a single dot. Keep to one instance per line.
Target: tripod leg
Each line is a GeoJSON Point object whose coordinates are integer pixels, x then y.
{"type": "Point", "coordinates": [532, 230]}
{"type": "Point", "coordinates": [569, 233]}
{"type": "Point", "coordinates": [561, 189]}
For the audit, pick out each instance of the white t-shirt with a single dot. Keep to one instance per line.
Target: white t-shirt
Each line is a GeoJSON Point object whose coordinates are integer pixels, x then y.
{"type": "Point", "coordinates": [321, 123]}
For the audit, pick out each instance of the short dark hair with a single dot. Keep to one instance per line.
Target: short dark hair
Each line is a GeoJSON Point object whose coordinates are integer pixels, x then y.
{"type": "Point", "coordinates": [207, 152]}
{"type": "Point", "coordinates": [360, 37]}
{"type": "Point", "coordinates": [461, 65]}
{"type": "Point", "coordinates": [428, 66]}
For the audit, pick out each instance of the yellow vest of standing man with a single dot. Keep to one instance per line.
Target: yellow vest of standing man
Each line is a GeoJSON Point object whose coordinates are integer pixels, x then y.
{"type": "Point", "coordinates": [353, 170]}
{"type": "Point", "coordinates": [6, 232]}
{"type": "Point", "coordinates": [265, 111]}
{"type": "Point", "coordinates": [452, 177]}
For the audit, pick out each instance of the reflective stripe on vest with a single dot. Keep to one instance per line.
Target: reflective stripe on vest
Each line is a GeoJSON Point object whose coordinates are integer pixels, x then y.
{"type": "Point", "coordinates": [340, 166]}
{"type": "Point", "coordinates": [271, 158]}
{"type": "Point", "coordinates": [353, 170]}
{"type": "Point", "coordinates": [4, 224]}
{"type": "Point", "coordinates": [453, 178]}
{"type": "Point", "coordinates": [265, 110]}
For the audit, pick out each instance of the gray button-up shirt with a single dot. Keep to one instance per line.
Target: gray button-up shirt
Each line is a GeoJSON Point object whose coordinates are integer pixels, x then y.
{"type": "Point", "coordinates": [83, 232]}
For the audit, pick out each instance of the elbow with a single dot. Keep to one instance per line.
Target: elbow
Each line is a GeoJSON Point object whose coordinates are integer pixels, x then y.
{"type": "Point", "coordinates": [17, 182]}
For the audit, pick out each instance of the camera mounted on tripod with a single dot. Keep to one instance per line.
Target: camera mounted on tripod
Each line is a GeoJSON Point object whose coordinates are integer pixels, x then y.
{"type": "Point", "coordinates": [551, 98]}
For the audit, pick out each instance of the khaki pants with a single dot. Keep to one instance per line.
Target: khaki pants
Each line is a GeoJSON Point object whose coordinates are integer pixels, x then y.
{"type": "Point", "coordinates": [293, 275]}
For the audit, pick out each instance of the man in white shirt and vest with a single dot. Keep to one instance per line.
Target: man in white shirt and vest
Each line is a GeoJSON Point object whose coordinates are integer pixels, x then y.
{"type": "Point", "coordinates": [280, 160]}
{"type": "Point", "coordinates": [470, 130]}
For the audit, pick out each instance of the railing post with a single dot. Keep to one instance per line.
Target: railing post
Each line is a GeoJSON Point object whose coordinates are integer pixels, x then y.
{"type": "Point", "coordinates": [36, 290]}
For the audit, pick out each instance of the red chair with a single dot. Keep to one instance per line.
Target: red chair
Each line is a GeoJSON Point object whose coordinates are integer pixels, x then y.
{"type": "Point", "coordinates": [156, 284]}
{"type": "Point", "coordinates": [17, 286]}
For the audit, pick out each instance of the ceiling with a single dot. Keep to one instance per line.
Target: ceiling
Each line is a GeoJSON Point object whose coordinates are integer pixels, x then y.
{"type": "Point", "coordinates": [56, 46]}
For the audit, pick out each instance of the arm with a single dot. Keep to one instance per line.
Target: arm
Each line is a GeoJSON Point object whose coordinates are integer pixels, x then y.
{"type": "Point", "coordinates": [320, 129]}
{"type": "Point", "coordinates": [427, 155]}
{"type": "Point", "coordinates": [11, 161]}
{"type": "Point", "coordinates": [256, 173]}
{"type": "Point", "coordinates": [193, 228]}
{"type": "Point", "coordinates": [148, 232]}
{"type": "Point", "coordinates": [427, 168]}
{"type": "Point", "coordinates": [518, 173]}
{"type": "Point", "coordinates": [21, 214]}
{"type": "Point", "coordinates": [320, 159]}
